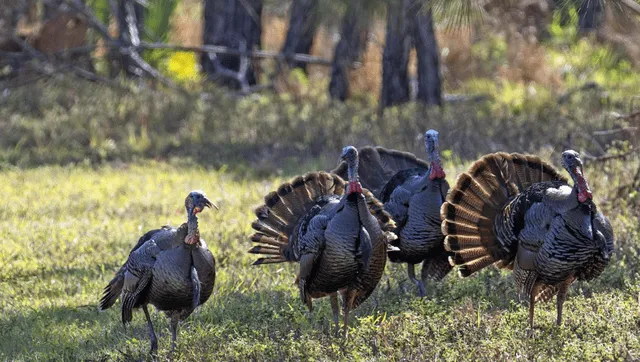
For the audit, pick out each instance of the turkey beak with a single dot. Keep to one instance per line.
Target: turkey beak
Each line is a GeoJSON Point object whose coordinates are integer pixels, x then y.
{"type": "Point", "coordinates": [210, 204]}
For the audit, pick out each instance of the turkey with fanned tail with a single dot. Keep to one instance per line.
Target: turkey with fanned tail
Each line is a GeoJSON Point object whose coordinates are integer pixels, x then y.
{"type": "Point", "coordinates": [518, 212]}
{"type": "Point", "coordinates": [337, 232]}
{"type": "Point", "coordinates": [170, 268]}
{"type": "Point", "coordinates": [412, 192]}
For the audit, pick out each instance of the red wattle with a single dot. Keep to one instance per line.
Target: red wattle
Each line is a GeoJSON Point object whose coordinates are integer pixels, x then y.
{"type": "Point", "coordinates": [354, 186]}
{"type": "Point", "coordinates": [436, 172]}
{"type": "Point", "coordinates": [584, 193]}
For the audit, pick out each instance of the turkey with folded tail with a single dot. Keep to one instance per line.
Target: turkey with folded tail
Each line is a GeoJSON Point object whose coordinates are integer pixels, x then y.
{"type": "Point", "coordinates": [170, 268]}
{"type": "Point", "coordinates": [412, 192]}
{"type": "Point", "coordinates": [518, 212]}
{"type": "Point", "coordinates": [338, 237]}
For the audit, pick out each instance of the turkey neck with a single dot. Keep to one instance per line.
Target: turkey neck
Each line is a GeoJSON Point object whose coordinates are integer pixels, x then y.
{"type": "Point", "coordinates": [192, 227]}
{"type": "Point", "coordinates": [435, 166]}
{"type": "Point", "coordinates": [580, 183]}
{"type": "Point", "coordinates": [352, 174]}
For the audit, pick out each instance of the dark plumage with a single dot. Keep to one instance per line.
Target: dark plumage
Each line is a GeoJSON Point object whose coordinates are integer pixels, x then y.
{"type": "Point", "coordinates": [338, 238]}
{"type": "Point", "coordinates": [412, 192]}
{"type": "Point", "coordinates": [518, 212]}
{"type": "Point", "coordinates": [170, 268]}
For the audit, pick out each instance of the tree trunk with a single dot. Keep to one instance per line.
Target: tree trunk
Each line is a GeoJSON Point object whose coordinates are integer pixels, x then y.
{"type": "Point", "coordinates": [302, 28]}
{"type": "Point", "coordinates": [590, 15]}
{"type": "Point", "coordinates": [353, 41]}
{"type": "Point", "coordinates": [429, 82]}
{"type": "Point", "coordinates": [131, 25]}
{"type": "Point", "coordinates": [395, 59]}
{"type": "Point", "coordinates": [236, 24]}
{"type": "Point", "coordinates": [51, 8]}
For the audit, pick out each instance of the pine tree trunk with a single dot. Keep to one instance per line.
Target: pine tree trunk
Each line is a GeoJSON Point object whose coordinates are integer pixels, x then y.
{"type": "Point", "coordinates": [51, 8]}
{"type": "Point", "coordinates": [236, 24]}
{"type": "Point", "coordinates": [353, 40]}
{"type": "Point", "coordinates": [131, 25]}
{"type": "Point", "coordinates": [302, 28]}
{"type": "Point", "coordinates": [590, 15]}
{"type": "Point", "coordinates": [395, 59]}
{"type": "Point", "coordinates": [429, 81]}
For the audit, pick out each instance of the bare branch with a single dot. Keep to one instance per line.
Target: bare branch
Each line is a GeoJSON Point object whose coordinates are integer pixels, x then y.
{"type": "Point", "coordinates": [265, 54]}
{"type": "Point", "coordinates": [614, 131]}
{"type": "Point", "coordinates": [609, 157]}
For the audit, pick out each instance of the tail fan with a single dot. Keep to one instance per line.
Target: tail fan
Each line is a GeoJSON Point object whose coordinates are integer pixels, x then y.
{"type": "Point", "coordinates": [378, 165]}
{"type": "Point", "coordinates": [292, 205]}
{"type": "Point", "coordinates": [475, 201]}
{"type": "Point", "coordinates": [284, 209]}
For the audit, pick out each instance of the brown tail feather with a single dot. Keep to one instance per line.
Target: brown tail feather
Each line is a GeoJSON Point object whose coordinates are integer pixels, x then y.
{"type": "Point", "coordinates": [546, 292]}
{"type": "Point", "coordinates": [261, 238]}
{"type": "Point", "coordinates": [467, 268]}
{"type": "Point", "coordinates": [271, 260]}
{"type": "Point", "coordinates": [378, 165]}
{"type": "Point", "coordinates": [477, 197]}
{"type": "Point", "coordinates": [459, 242]}
{"type": "Point", "coordinates": [265, 250]}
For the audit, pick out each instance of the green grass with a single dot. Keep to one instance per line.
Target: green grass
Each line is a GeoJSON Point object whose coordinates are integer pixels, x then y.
{"type": "Point", "coordinates": [64, 231]}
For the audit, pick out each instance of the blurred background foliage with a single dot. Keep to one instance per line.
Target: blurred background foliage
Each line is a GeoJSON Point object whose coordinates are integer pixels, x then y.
{"type": "Point", "coordinates": [518, 76]}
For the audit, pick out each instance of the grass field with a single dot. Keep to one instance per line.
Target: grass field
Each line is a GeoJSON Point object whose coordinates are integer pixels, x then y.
{"type": "Point", "coordinates": [64, 231]}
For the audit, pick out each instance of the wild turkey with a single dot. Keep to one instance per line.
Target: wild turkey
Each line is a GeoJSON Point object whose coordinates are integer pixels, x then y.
{"type": "Point", "coordinates": [518, 212]}
{"type": "Point", "coordinates": [170, 268]}
{"type": "Point", "coordinates": [412, 192]}
{"type": "Point", "coordinates": [339, 238]}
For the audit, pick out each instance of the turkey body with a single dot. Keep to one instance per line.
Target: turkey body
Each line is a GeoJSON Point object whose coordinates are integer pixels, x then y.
{"type": "Point", "coordinates": [169, 268]}
{"type": "Point", "coordinates": [518, 212]}
{"type": "Point", "coordinates": [337, 238]}
{"type": "Point", "coordinates": [413, 206]}
{"type": "Point", "coordinates": [403, 184]}
{"type": "Point", "coordinates": [171, 287]}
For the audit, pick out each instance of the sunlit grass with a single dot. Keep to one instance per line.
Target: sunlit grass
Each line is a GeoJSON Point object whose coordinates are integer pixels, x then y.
{"type": "Point", "coordinates": [65, 230]}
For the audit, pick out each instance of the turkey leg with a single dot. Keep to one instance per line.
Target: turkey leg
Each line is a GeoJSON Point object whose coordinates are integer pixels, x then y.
{"type": "Point", "coordinates": [173, 327]}
{"type": "Point", "coordinates": [348, 299]}
{"type": "Point", "coordinates": [561, 297]}
{"type": "Point", "coordinates": [532, 303]}
{"type": "Point", "coordinates": [418, 282]}
{"type": "Point", "coordinates": [335, 306]}
{"type": "Point", "coordinates": [152, 334]}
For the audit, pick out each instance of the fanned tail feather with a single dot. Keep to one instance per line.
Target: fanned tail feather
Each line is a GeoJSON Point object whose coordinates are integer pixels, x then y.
{"type": "Point", "coordinates": [479, 195]}
{"type": "Point", "coordinates": [282, 211]}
